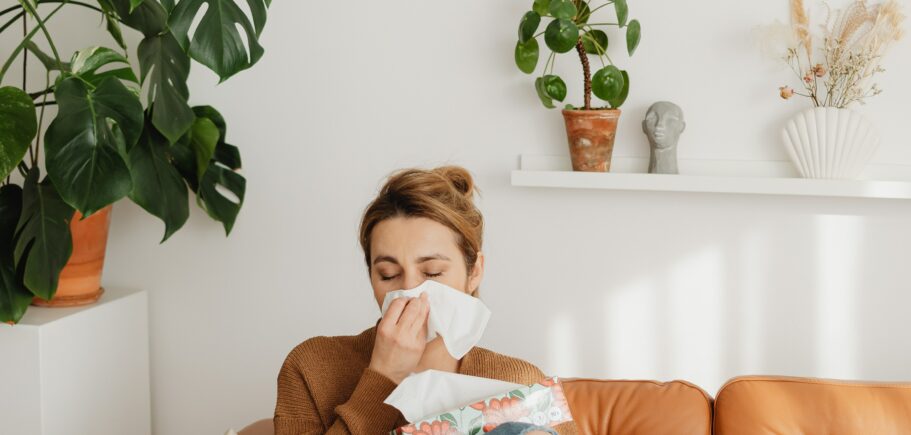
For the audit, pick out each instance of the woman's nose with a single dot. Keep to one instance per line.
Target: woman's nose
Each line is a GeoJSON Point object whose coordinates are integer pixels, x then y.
{"type": "Point", "coordinates": [412, 280]}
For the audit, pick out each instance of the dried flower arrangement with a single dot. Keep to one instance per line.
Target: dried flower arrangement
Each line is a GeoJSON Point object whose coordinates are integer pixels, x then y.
{"type": "Point", "coordinates": [853, 42]}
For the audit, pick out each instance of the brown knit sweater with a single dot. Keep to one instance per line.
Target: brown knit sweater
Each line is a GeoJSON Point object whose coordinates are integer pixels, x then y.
{"type": "Point", "coordinates": [325, 386]}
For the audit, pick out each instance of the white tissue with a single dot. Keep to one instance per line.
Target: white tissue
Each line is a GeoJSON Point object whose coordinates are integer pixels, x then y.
{"type": "Point", "coordinates": [432, 392]}
{"type": "Point", "coordinates": [459, 318]}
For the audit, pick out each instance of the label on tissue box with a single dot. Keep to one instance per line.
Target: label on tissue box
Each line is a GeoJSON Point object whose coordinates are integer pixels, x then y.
{"type": "Point", "coordinates": [542, 404]}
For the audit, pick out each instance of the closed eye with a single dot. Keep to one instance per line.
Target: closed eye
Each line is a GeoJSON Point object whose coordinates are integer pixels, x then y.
{"type": "Point", "coordinates": [429, 275]}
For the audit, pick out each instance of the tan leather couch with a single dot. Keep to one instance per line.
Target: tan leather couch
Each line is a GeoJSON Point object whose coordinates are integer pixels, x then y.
{"type": "Point", "coordinates": [750, 405]}
{"type": "Point", "coordinates": [761, 405]}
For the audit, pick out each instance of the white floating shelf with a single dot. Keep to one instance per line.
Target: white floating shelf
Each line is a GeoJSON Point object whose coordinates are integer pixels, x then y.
{"type": "Point", "coordinates": [714, 176]}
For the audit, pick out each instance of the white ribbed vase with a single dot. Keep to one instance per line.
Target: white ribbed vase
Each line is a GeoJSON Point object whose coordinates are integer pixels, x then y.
{"type": "Point", "coordinates": [827, 142]}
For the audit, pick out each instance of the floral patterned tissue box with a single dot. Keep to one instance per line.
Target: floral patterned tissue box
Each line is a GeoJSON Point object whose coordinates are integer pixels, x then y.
{"type": "Point", "coordinates": [542, 404]}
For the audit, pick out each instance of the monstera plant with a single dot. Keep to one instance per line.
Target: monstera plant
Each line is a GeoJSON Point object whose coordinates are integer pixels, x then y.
{"type": "Point", "coordinates": [118, 129]}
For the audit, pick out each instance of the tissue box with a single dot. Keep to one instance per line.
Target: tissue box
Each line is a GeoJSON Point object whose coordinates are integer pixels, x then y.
{"type": "Point", "coordinates": [542, 404]}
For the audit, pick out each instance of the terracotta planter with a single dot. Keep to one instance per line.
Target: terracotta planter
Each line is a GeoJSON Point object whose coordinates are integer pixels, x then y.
{"type": "Point", "coordinates": [591, 138]}
{"type": "Point", "coordinates": [80, 280]}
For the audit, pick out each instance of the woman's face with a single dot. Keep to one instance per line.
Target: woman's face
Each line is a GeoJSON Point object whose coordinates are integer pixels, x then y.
{"type": "Point", "coordinates": [405, 251]}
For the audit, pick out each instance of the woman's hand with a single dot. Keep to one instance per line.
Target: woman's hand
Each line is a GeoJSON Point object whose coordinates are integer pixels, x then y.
{"type": "Point", "coordinates": [401, 337]}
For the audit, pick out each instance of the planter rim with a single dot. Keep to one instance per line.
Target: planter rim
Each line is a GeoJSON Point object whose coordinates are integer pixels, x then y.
{"type": "Point", "coordinates": [590, 110]}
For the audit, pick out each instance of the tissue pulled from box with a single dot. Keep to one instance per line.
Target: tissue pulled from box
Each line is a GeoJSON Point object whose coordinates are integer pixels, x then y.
{"type": "Point", "coordinates": [432, 392]}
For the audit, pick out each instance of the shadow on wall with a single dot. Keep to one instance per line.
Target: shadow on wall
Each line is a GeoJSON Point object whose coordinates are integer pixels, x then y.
{"type": "Point", "coordinates": [746, 301]}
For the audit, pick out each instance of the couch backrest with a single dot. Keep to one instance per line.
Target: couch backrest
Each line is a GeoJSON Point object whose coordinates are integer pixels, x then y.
{"type": "Point", "coordinates": [754, 405]}
{"type": "Point", "coordinates": [638, 407]}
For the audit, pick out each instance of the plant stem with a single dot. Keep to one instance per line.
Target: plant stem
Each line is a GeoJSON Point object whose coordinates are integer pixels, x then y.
{"type": "Point", "coordinates": [550, 59]}
{"type": "Point", "coordinates": [598, 47]}
{"type": "Point", "coordinates": [11, 21]}
{"type": "Point", "coordinates": [46, 91]}
{"type": "Point", "coordinates": [47, 82]}
{"type": "Point", "coordinates": [599, 7]}
{"type": "Point", "coordinates": [47, 34]}
{"type": "Point", "coordinates": [78, 3]}
{"type": "Point", "coordinates": [46, 103]}
{"type": "Point", "coordinates": [31, 148]}
{"type": "Point", "coordinates": [10, 9]}
{"type": "Point", "coordinates": [22, 44]}
{"type": "Point", "coordinates": [604, 24]}
{"type": "Point", "coordinates": [23, 169]}
{"type": "Point", "coordinates": [586, 72]}
{"type": "Point", "coordinates": [24, 55]}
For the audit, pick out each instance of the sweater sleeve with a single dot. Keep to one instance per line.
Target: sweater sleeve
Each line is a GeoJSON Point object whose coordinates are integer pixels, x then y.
{"type": "Point", "coordinates": [364, 412]}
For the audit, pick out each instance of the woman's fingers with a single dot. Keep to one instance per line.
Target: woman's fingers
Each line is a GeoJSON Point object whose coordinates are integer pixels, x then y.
{"type": "Point", "coordinates": [393, 312]}
{"type": "Point", "coordinates": [420, 323]}
{"type": "Point", "coordinates": [422, 329]}
{"type": "Point", "coordinates": [411, 312]}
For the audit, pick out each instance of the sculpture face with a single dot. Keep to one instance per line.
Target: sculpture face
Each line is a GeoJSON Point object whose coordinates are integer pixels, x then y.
{"type": "Point", "coordinates": [663, 124]}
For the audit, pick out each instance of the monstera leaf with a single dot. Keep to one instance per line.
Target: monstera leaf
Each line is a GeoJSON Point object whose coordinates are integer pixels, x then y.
{"type": "Point", "coordinates": [217, 43]}
{"type": "Point", "coordinates": [146, 16]}
{"type": "Point", "coordinates": [14, 297]}
{"type": "Point", "coordinates": [86, 141]}
{"type": "Point", "coordinates": [157, 186]}
{"type": "Point", "coordinates": [220, 189]}
{"type": "Point", "coordinates": [86, 64]}
{"type": "Point", "coordinates": [18, 126]}
{"type": "Point", "coordinates": [164, 65]}
{"type": "Point", "coordinates": [44, 243]}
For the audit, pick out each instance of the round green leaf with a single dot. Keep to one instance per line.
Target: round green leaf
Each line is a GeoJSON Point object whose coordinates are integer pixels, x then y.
{"type": "Point", "coordinates": [622, 11]}
{"type": "Point", "coordinates": [607, 83]}
{"type": "Point", "coordinates": [542, 7]}
{"type": "Point", "coordinates": [18, 126]}
{"type": "Point", "coordinates": [527, 55]}
{"type": "Point", "coordinates": [529, 25]}
{"type": "Point", "coordinates": [561, 35]}
{"type": "Point", "coordinates": [633, 34]}
{"type": "Point", "coordinates": [554, 87]}
{"type": "Point", "coordinates": [595, 42]}
{"type": "Point", "coordinates": [546, 100]}
{"type": "Point", "coordinates": [617, 102]}
{"type": "Point", "coordinates": [562, 9]}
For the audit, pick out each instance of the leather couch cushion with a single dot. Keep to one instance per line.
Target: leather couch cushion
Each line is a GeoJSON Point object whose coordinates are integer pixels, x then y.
{"type": "Point", "coordinates": [754, 405]}
{"type": "Point", "coordinates": [638, 407]}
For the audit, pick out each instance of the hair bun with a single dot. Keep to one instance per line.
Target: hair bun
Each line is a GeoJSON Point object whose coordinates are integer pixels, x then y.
{"type": "Point", "coordinates": [459, 177]}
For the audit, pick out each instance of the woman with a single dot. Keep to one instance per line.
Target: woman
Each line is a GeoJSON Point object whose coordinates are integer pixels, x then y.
{"type": "Point", "coordinates": [422, 225]}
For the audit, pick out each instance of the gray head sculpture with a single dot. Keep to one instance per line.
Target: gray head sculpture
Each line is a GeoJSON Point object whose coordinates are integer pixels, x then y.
{"type": "Point", "coordinates": [663, 124]}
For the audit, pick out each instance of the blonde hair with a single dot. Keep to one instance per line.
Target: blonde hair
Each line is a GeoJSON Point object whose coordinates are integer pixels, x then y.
{"type": "Point", "coordinates": [444, 194]}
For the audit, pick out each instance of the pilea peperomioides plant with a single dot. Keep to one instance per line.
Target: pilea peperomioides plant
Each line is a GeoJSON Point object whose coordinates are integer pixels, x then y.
{"type": "Point", "coordinates": [571, 27]}
{"type": "Point", "coordinates": [108, 139]}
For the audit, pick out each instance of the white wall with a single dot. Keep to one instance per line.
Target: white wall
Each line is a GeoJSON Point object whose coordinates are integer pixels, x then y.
{"type": "Point", "coordinates": [583, 283]}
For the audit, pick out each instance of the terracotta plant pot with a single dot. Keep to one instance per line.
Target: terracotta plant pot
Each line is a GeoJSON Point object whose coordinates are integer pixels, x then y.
{"type": "Point", "coordinates": [80, 280]}
{"type": "Point", "coordinates": [591, 138]}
